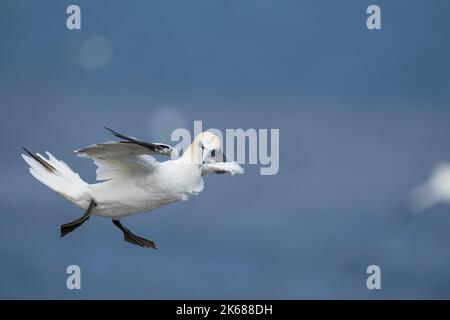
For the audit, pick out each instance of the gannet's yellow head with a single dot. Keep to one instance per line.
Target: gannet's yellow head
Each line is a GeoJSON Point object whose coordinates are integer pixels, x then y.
{"type": "Point", "coordinates": [205, 148]}
{"type": "Point", "coordinates": [208, 140]}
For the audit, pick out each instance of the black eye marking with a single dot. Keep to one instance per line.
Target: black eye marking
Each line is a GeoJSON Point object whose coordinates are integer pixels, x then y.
{"type": "Point", "coordinates": [213, 153]}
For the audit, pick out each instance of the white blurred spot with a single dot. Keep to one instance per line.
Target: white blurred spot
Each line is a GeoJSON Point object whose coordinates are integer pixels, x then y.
{"type": "Point", "coordinates": [435, 190]}
{"type": "Point", "coordinates": [164, 121]}
{"type": "Point", "coordinates": [95, 52]}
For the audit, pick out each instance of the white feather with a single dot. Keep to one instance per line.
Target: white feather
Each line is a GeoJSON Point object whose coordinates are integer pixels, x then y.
{"type": "Point", "coordinates": [63, 180]}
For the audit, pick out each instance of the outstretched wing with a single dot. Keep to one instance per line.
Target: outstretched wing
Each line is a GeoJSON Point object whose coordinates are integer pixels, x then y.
{"type": "Point", "coordinates": [154, 148]}
{"type": "Point", "coordinates": [124, 158]}
{"type": "Point", "coordinates": [222, 168]}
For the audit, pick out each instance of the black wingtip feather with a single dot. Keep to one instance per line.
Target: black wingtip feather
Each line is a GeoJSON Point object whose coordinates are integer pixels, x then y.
{"type": "Point", "coordinates": [121, 136]}
{"type": "Point", "coordinates": [44, 163]}
{"type": "Point", "coordinates": [112, 131]}
{"type": "Point", "coordinates": [159, 148]}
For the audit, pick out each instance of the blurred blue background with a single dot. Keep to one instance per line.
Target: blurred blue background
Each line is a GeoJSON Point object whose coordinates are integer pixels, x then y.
{"type": "Point", "coordinates": [363, 118]}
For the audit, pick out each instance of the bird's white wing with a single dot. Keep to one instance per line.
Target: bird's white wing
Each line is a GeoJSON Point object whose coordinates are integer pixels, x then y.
{"type": "Point", "coordinates": [222, 168]}
{"type": "Point", "coordinates": [118, 159]}
{"type": "Point", "coordinates": [124, 158]}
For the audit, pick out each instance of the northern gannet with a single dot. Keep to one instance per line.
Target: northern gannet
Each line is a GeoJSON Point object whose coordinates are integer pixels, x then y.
{"type": "Point", "coordinates": [132, 180]}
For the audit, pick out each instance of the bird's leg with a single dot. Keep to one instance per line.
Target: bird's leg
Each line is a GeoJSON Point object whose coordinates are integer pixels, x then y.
{"type": "Point", "coordinates": [69, 227]}
{"type": "Point", "coordinates": [134, 239]}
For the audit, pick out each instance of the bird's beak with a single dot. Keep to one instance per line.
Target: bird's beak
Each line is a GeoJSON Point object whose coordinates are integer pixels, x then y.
{"type": "Point", "coordinates": [204, 154]}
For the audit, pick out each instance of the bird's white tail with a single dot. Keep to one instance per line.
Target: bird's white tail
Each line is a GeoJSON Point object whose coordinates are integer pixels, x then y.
{"type": "Point", "coordinates": [57, 176]}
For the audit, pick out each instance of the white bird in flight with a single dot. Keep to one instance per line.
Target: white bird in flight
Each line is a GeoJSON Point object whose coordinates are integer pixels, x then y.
{"type": "Point", "coordinates": [132, 181]}
{"type": "Point", "coordinates": [433, 191]}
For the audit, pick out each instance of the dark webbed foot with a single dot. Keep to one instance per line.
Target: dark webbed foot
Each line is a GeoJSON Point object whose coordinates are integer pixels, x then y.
{"type": "Point", "coordinates": [134, 239]}
{"type": "Point", "coordinates": [69, 227]}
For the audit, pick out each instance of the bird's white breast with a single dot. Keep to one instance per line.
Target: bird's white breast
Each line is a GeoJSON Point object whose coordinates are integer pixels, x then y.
{"type": "Point", "coordinates": [169, 182]}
